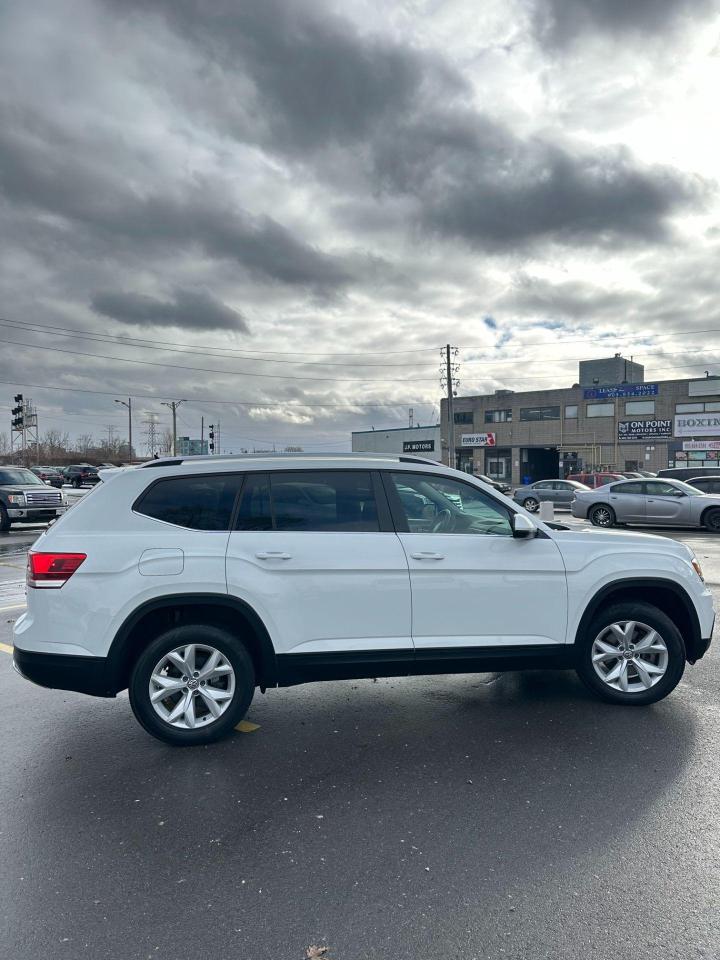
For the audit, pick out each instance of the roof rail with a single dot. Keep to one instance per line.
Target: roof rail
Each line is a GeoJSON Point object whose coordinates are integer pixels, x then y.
{"type": "Point", "coordinates": [204, 458]}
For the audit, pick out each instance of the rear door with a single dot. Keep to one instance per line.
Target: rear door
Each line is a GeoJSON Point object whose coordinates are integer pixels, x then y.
{"type": "Point", "coordinates": [315, 554]}
{"type": "Point", "coordinates": [628, 500]}
{"type": "Point", "coordinates": [564, 493]}
{"type": "Point", "coordinates": [473, 583]}
{"type": "Point", "coordinates": [665, 504]}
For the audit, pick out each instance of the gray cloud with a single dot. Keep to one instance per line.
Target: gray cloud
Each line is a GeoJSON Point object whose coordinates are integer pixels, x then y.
{"type": "Point", "coordinates": [558, 22]}
{"type": "Point", "coordinates": [197, 310]}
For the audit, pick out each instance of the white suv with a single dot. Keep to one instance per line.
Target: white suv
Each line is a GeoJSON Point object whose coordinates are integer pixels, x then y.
{"type": "Point", "coordinates": [191, 582]}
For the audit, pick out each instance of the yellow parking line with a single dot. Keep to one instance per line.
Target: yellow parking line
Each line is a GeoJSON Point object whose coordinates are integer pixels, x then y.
{"type": "Point", "coordinates": [13, 606]}
{"type": "Point", "coordinates": [246, 727]}
{"type": "Point", "coordinates": [6, 648]}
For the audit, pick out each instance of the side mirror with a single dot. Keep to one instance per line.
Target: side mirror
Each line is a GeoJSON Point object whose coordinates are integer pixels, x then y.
{"type": "Point", "coordinates": [523, 527]}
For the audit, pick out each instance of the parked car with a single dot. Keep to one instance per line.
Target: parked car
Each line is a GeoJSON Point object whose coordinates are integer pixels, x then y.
{"type": "Point", "coordinates": [631, 474]}
{"type": "Point", "coordinates": [81, 473]}
{"type": "Point", "coordinates": [49, 475]}
{"type": "Point", "coordinates": [495, 484]}
{"type": "Point", "coordinates": [654, 502]}
{"type": "Point", "coordinates": [647, 473]}
{"type": "Point", "coordinates": [559, 492]}
{"type": "Point", "coordinates": [594, 480]}
{"type": "Point", "coordinates": [25, 498]}
{"type": "Point", "coordinates": [193, 583]}
{"type": "Point", "coordinates": [680, 473]}
{"type": "Point", "coordinates": [709, 484]}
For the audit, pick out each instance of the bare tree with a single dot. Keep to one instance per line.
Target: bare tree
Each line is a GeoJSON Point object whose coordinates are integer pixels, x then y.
{"type": "Point", "coordinates": [85, 443]}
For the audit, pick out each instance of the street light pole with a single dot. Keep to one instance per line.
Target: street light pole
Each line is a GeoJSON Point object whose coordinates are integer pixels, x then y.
{"type": "Point", "coordinates": [129, 410]}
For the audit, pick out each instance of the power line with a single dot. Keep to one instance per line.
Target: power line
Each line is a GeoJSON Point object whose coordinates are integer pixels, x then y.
{"type": "Point", "coordinates": [222, 373]}
{"type": "Point", "coordinates": [66, 331]}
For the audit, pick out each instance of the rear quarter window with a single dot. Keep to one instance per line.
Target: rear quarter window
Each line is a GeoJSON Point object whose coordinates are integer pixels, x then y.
{"type": "Point", "coordinates": [198, 502]}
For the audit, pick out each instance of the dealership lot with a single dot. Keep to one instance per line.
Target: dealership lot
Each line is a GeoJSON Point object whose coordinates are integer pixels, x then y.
{"type": "Point", "coordinates": [474, 816]}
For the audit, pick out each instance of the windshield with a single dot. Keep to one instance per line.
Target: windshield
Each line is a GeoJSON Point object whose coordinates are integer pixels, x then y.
{"type": "Point", "coordinates": [20, 476]}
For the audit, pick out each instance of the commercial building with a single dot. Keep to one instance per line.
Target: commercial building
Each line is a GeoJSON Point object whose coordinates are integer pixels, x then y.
{"type": "Point", "coordinates": [604, 421]}
{"type": "Point", "coordinates": [424, 441]}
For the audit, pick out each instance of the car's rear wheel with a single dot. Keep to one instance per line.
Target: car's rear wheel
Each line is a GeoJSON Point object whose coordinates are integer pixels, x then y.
{"type": "Point", "coordinates": [531, 504]}
{"type": "Point", "coordinates": [192, 685]}
{"type": "Point", "coordinates": [711, 520]}
{"type": "Point", "coordinates": [631, 653]}
{"type": "Point", "coordinates": [4, 520]}
{"type": "Point", "coordinates": [602, 516]}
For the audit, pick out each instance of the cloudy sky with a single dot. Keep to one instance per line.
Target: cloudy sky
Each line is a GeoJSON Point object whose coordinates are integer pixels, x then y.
{"type": "Point", "coordinates": [280, 210]}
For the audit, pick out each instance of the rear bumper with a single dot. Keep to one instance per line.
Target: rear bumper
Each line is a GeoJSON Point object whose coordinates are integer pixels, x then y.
{"type": "Point", "coordinates": [62, 672]}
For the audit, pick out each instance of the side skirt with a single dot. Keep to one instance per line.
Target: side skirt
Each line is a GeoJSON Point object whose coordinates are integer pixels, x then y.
{"type": "Point", "coordinates": [294, 668]}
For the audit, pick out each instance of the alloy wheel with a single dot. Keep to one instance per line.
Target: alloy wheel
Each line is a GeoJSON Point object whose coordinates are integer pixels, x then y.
{"type": "Point", "coordinates": [630, 656]}
{"type": "Point", "coordinates": [602, 517]}
{"type": "Point", "coordinates": [192, 686]}
{"type": "Point", "coordinates": [531, 504]}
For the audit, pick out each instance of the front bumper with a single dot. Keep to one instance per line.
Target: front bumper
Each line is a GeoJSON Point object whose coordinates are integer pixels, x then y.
{"type": "Point", "coordinates": [35, 514]}
{"type": "Point", "coordinates": [62, 672]}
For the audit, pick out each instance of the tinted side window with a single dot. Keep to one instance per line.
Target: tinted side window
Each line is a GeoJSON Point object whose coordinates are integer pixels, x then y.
{"type": "Point", "coordinates": [628, 487]}
{"type": "Point", "coordinates": [200, 503]}
{"type": "Point", "coordinates": [656, 488]}
{"type": "Point", "coordinates": [254, 510]}
{"type": "Point", "coordinates": [324, 501]}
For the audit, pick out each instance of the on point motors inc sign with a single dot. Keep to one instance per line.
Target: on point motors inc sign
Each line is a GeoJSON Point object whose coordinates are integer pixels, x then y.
{"type": "Point", "coordinates": [477, 440]}
{"type": "Point", "coordinates": [697, 425]}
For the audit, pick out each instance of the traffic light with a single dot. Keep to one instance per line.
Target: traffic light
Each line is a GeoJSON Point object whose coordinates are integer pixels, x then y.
{"type": "Point", "coordinates": [211, 434]}
{"type": "Point", "coordinates": [18, 420]}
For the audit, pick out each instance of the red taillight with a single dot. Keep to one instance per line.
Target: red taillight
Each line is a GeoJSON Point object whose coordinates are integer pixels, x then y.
{"type": "Point", "coordinates": [52, 569]}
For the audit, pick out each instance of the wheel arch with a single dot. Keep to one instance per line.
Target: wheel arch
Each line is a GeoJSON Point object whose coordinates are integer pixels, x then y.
{"type": "Point", "coordinates": [162, 613]}
{"type": "Point", "coordinates": [705, 512]}
{"type": "Point", "coordinates": [666, 595]}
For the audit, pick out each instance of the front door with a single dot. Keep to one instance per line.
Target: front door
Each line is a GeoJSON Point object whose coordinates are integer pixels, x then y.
{"type": "Point", "coordinates": [664, 503]}
{"type": "Point", "coordinates": [316, 556]}
{"type": "Point", "coordinates": [473, 583]}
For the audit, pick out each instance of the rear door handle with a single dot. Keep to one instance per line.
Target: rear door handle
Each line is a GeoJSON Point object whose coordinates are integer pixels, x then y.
{"type": "Point", "coordinates": [427, 556]}
{"type": "Point", "coordinates": [273, 555]}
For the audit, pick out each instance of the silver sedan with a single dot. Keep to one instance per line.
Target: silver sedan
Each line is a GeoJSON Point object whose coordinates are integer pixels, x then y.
{"type": "Point", "coordinates": [661, 503]}
{"type": "Point", "coordinates": [559, 492]}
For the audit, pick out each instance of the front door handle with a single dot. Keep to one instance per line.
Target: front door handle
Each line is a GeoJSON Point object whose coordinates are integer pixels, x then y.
{"type": "Point", "coordinates": [427, 555]}
{"type": "Point", "coordinates": [273, 555]}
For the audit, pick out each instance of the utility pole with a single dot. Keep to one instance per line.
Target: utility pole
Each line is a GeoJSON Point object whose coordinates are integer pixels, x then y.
{"type": "Point", "coordinates": [449, 380]}
{"type": "Point", "coordinates": [202, 432]}
{"type": "Point", "coordinates": [173, 404]}
{"type": "Point", "coordinates": [211, 436]}
{"type": "Point", "coordinates": [129, 410]}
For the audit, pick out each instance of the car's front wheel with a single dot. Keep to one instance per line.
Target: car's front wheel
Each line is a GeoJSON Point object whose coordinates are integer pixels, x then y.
{"type": "Point", "coordinates": [711, 520]}
{"type": "Point", "coordinates": [531, 504]}
{"type": "Point", "coordinates": [631, 653]}
{"type": "Point", "coordinates": [192, 685]}
{"type": "Point", "coordinates": [602, 516]}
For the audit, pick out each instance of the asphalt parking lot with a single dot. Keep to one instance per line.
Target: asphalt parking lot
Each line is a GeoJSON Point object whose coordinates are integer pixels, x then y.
{"type": "Point", "coordinates": [469, 817]}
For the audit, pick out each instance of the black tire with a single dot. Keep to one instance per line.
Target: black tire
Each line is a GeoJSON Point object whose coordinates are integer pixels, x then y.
{"type": "Point", "coordinates": [230, 647]}
{"type": "Point", "coordinates": [711, 520]}
{"type": "Point", "coordinates": [4, 520]}
{"type": "Point", "coordinates": [601, 515]}
{"type": "Point", "coordinates": [531, 504]}
{"type": "Point", "coordinates": [77, 483]}
{"type": "Point", "coordinates": [644, 613]}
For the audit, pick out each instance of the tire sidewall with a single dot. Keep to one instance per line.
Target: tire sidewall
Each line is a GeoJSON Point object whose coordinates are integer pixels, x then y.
{"type": "Point", "coordinates": [530, 500]}
{"type": "Point", "coordinates": [712, 512]}
{"type": "Point", "coordinates": [653, 617]}
{"type": "Point", "coordinates": [230, 646]}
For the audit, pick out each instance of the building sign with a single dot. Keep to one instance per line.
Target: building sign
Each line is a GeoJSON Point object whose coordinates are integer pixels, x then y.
{"type": "Point", "coordinates": [418, 446]}
{"type": "Point", "coordinates": [701, 445]}
{"type": "Point", "coordinates": [477, 440]}
{"type": "Point", "coordinates": [629, 430]}
{"type": "Point", "coordinates": [621, 390]}
{"type": "Point", "coordinates": [697, 425]}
